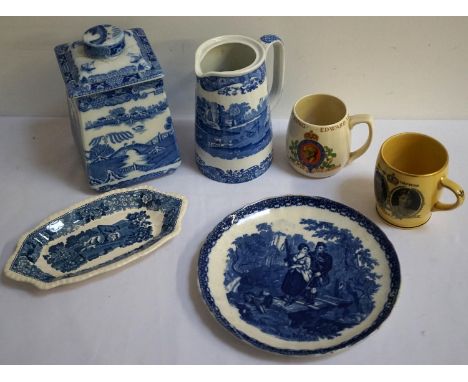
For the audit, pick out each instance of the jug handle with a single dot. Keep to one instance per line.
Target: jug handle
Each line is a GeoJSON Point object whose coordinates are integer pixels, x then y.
{"type": "Point", "coordinates": [269, 40]}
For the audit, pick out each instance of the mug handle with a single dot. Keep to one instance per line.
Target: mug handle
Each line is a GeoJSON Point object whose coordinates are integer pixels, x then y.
{"type": "Point", "coordinates": [269, 40]}
{"type": "Point", "coordinates": [456, 189]}
{"type": "Point", "coordinates": [353, 121]}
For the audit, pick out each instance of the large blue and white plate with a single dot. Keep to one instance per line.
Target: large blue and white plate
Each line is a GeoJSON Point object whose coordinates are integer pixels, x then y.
{"type": "Point", "coordinates": [96, 236]}
{"type": "Point", "coordinates": [299, 275]}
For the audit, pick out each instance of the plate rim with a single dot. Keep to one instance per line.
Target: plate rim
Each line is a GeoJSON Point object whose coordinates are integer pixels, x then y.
{"type": "Point", "coordinates": [45, 286]}
{"type": "Point", "coordinates": [313, 201]}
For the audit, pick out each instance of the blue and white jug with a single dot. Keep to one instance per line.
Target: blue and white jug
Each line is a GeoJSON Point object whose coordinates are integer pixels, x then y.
{"type": "Point", "coordinates": [119, 112]}
{"type": "Point", "coordinates": [233, 127]}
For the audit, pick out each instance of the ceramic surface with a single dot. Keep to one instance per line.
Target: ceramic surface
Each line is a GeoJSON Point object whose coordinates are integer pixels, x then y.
{"type": "Point", "coordinates": [233, 127]}
{"type": "Point", "coordinates": [410, 173]}
{"type": "Point", "coordinates": [319, 136]}
{"type": "Point", "coordinates": [95, 236]}
{"type": "Point", "coordinates": [118, 108]}
{"type": "Point", "coordinates": [299, 275]}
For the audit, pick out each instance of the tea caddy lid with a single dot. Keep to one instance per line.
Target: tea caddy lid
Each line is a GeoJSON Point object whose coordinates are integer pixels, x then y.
{"type": "Point", "coordinates": [107, 58]}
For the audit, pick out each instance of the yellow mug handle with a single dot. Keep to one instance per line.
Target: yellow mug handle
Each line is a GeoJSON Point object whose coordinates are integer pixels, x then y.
{"type": "Point", "coordinates": [456, 189]}
{"type": "Point", "coordinates": [354, 120]}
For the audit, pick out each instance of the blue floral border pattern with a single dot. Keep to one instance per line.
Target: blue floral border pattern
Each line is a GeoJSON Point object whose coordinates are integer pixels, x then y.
{"type": "Point", "coordinates": [119, 96]}
{"type": "Point", "coordinates": [30, 251]}
{"type": "Point", "coordinates": [231, 86]}
{"type": "Point", "coordinates": [234, 176]}
{"type": "Point", "coordinates": [298, 200]}
{"type": "Point", "coordinates": [109, 81]}
{"type": "Point", "coordinates": [135, 114]}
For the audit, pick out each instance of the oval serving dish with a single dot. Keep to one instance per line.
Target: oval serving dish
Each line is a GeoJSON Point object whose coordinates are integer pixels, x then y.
{"type": "Point", "coordinates": [95, 236]}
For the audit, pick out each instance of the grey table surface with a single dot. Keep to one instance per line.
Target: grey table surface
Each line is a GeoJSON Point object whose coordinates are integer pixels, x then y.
{"type": "Point", "coordinates": [150, 312]}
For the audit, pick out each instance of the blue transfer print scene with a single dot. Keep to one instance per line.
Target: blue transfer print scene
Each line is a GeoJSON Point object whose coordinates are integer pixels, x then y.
{"type": "Point", "coordinates": [106, 164]}
{"type": "Point", "coordinates": [98, 241]}
{"type": "Point", "coordinates": [236, 132]}
{"type": "Point", "coordinates": [301, 290]}
{"type": "Point", "coordinates": [123, 140]}
{"type": "Point", "coordinates": [70, 255]}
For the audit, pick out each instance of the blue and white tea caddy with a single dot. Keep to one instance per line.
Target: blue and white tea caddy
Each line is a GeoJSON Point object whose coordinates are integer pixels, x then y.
{"type": "Point", "coordinates": [119, 113]}
{"type": "Point", "coordinates": [233, 128]}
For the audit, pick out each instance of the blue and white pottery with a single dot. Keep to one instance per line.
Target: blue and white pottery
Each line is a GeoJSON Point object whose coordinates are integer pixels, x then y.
{"type": "Point", "coordinates": [95, 236]}
{"type": "Point", "coordinates": [299, 275]}
{"type": "Point", "coordinates": [118, 108]}
{"type": "Point", "coordinates": [233, 127]}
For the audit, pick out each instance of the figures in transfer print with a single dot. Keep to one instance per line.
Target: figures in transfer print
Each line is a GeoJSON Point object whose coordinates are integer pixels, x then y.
{"type": "Point", "coordinates": [298, 289]}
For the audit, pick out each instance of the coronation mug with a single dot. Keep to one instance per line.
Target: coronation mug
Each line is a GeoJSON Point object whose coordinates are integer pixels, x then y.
{"type": "Point", "coordinates": [318, 141]}
{"type": "Point", "coordinates": [410, 173]}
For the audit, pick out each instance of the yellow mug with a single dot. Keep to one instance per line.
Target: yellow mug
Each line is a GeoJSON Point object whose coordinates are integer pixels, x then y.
{"type": "Point", "coordinates": [410, 173]}
{"type": "Point", "coordinates": [319, 135]}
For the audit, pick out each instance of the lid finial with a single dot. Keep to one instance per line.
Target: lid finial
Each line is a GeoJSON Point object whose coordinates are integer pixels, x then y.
{"type": "Point", "coordinates": [104, 41]}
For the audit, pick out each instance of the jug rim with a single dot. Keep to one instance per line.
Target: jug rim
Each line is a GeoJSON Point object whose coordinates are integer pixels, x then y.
{"type": "Point", "coordinates": [214, 42]}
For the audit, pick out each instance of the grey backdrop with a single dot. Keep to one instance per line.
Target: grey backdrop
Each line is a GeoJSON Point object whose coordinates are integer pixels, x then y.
{"type": "Point", "coordinates": [393, 68]}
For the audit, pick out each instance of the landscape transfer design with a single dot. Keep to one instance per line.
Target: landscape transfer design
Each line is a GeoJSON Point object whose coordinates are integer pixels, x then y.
{"type": "Point", "coordinates": [70, 256]}
{"type": "Point", "coordinates": [233, 130]}
{"type": "Point", "coordinates": [299, 289]}
{"type": "Point", "coordinates": [119, 112]}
